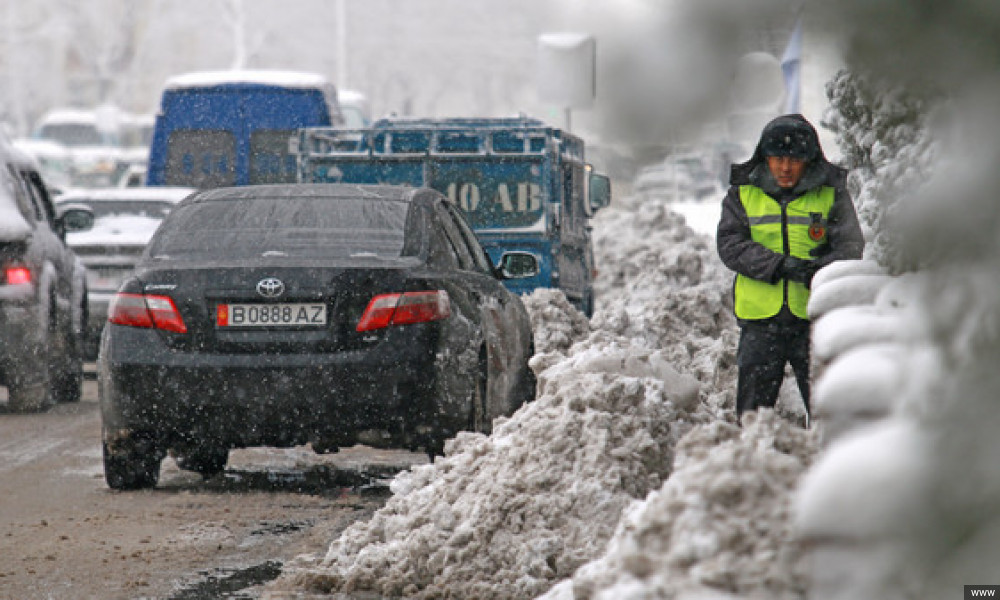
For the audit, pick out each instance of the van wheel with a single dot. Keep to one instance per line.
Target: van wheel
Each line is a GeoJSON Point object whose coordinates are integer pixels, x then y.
{"type": "Point", "coordinates": [135, 466]}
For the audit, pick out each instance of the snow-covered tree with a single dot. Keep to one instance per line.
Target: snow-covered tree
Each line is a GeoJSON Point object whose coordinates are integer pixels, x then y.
{"type": "Point", "coordinates": [882, 132]}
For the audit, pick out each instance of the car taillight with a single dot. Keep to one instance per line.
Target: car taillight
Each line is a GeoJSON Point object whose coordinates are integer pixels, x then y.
{"type": "Point", "coordinates": [385, 310]}
{"type": "Point", "coordinates": [138, 310]}
{"type": "Point", "coordinates": [17, 275]}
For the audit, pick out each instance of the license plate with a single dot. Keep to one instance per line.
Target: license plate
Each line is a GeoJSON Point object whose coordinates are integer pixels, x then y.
{"type": "Point", "coordinates": [106, 278]}
{"type": "Point", "coordinates": [270, 315]}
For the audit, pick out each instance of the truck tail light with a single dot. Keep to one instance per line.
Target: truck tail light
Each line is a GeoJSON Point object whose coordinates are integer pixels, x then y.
{"type": "Point", "coordinates": [386, 310]}
{"type": "Point", "coordinates": [17, 275]}
{"type": "Point", "coordinates": [138, 310]}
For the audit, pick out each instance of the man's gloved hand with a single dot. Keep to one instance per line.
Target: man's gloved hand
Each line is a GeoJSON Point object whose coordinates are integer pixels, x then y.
{"type": "Point", "coordinates": [797, 269]}
{"type": "Point", "coordinates": [823, 255]}
{"type": "Point", "coordinates": [821, 250]}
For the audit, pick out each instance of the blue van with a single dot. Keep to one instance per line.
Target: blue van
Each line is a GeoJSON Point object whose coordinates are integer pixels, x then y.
{"type": "Point", "coordinates": [223, 128]}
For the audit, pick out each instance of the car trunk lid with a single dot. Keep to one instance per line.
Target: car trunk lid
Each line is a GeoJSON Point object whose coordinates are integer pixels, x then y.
{"type": "Point", "coordinates": [234, 310]}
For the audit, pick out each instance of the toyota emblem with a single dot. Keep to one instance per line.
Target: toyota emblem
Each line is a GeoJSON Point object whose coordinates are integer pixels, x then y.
{"type": "Point", "coordinates": [271, 287]}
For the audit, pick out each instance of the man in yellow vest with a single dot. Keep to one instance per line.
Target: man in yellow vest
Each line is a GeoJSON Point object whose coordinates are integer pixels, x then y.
{"type": "Point", "coordinates": [786, 215]}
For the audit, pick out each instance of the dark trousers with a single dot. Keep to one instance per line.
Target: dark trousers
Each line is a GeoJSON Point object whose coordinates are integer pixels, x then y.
{"type": "Point", "coordinates": [765, 349]}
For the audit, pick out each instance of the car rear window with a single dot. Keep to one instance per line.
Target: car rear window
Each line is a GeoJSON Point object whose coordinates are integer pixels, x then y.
{"type": "Point", "coordinates": [309, 227]}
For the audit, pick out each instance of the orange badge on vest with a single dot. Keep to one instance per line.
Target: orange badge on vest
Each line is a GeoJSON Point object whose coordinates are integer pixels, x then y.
{"type": "Point", "coordinates": [817, 230]}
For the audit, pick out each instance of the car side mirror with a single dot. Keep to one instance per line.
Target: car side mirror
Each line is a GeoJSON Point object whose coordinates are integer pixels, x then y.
{"type": "Point", "coordinates": [76, 217]}
{"type": "Point", "coordinates": [600, 192]}
{"type": "Point", "coordinates": [518, 265]}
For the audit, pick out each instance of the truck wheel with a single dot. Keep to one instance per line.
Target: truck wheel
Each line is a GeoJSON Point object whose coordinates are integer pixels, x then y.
{"type": "Point", "coordinates": [135, 466]}
{"type": "Point", "coordinates": [207, 461]}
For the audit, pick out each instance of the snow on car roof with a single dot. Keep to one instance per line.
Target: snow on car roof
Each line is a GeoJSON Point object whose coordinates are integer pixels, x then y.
{"type": "Point", "coordinates": [41, 148]}
{"type": "Point", "coordinates": [168, 193]}
{"type": "Point", "coordinates": [68, 115]}
{"type": "Point", "coordinates": [346, 96]}
{"type": "Point", "coordinates": [264, 77]}
{"type": "Point", "coordinates": [12, 224]}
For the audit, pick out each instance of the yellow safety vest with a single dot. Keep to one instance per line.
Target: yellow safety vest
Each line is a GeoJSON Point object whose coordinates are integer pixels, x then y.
{"type": "Point", "coordinates": [792, 232]}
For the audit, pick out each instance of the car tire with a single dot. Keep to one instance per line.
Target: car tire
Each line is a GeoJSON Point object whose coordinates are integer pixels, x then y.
{"type": "Point", "coordinates": [207, 461]}
{"type": "Point", "coordinates": [66, 360]}
{"type": "Point", "coordinates": [479, 418]}
{"type": "Point", "coordinates": [27, 398]}
{"type": "Point", "coordinates": [136, 466]}
{"type": "Point", "coordinates": [67, 374]}
{"type": "Point", "coordinates": [527, 387]}
{"type": "Point", "coordinates": [28, 390]}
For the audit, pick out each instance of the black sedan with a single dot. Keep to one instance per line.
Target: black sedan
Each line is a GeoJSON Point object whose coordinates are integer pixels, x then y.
{"type": "Point", "coordinates": [324, 314]}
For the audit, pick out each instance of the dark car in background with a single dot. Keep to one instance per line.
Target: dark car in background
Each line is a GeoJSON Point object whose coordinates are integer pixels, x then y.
{"type": "Point", "coordinates": [43, 295]}
{"type": "Point", "coordinates": [124, 221]}
{"type": "Point", "coordinates": [324, 314]}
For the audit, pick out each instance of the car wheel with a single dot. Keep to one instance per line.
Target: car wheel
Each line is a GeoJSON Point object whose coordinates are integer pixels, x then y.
{"type": "Point", "coordinates": [527, 388]}
{"type": "Point", "coordinates": [207, 461]}
{"type": "Point", "coordinates": [28, 388]}
{"type": "Point", "coordinates": [479, 419]}
{"type": "Point", "coordinates": [67, 374]}
{"type": "Point", "coordinates": [135, 466]}
{"type": "Point", "coordinates": [66, 360]}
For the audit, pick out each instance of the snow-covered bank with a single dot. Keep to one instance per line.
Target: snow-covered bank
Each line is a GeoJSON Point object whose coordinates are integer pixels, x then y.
{"type": "Point", "coordinates": [720, 524]}
{"type": "Point", "coordinates": [508, 515]}
{"type": "Point", "coordinates": [511, 515]}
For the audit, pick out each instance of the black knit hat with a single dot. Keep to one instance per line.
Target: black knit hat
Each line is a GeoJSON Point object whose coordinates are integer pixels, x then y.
{"type": "Point", "coordinates": [790, 137]}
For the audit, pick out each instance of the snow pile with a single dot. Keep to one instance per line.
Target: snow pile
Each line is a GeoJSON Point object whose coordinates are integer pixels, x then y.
{"type": "Point", "coordinates": [664, 286]}
{"type": "Point", "coordinates": [720, 524]}
{"type": "Point", "coordinates": [554, 321]}
{"type": "Point", "coordinates": [912, 495]}
{"type": "Point", "coordinates": [507, 516]}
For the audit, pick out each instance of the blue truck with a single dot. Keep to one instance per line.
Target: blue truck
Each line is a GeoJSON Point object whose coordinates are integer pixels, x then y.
{"type": "Point", "coordinates": [522, 184]}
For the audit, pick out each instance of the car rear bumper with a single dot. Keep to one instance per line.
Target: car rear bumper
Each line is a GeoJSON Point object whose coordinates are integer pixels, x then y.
{"type": "Point", "coordinates": [273, 400]}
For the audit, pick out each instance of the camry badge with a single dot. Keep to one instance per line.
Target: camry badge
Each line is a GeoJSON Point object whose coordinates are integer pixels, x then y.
{"type": "Point", "coordinates": [271, 287]}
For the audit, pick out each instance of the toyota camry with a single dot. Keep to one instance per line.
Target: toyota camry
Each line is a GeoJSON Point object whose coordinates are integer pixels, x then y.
{"type": "Point", "coordinates": [323, 314]}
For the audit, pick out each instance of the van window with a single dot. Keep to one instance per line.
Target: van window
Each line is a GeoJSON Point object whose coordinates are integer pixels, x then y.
{"type": "Point", "coordinates": [270, 161]}
{"type": "Point", "coordinates": [201, 158]}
